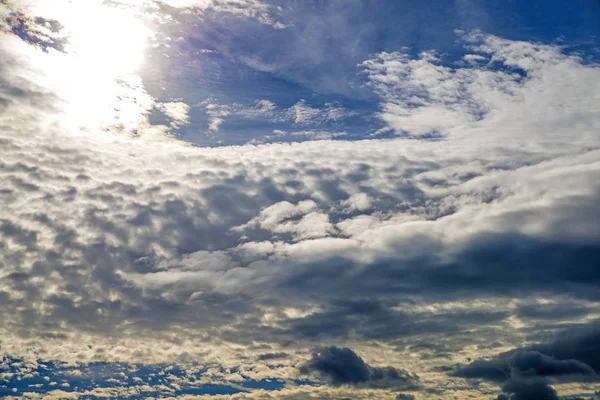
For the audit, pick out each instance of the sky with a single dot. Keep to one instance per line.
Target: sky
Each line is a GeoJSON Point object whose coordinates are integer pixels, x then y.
{"type": "Point", "coordinates": [255, 199]}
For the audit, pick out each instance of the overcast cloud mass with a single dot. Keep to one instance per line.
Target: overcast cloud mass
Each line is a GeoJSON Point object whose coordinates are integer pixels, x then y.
{"type": "Point", "coordinates": [252, 199]}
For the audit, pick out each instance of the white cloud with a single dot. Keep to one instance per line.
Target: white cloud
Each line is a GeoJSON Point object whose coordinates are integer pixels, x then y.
{"type": "Point", "coordinates": [303, 220]}
{"type": "Point", "coordinates": [303, 114]}
{"type": "Point", "coordinates": [358, 201]}
{"type": "Point", "coordinates": [261, 11]}
{"type": "Point", "coordinates": [216, 113]}
{"type": "Point", "coordinates": [260, 109]}
{"type": "Point", "coordinates": [299, 114]}
{"type": "Point", "coordinates": [131, 243]}
{"type": "Point", "coordinates": [319, 135]}
{"type": "Point", "coordinates": [176, 110]}
{"type": "Point", "coordinates": [548, 104]}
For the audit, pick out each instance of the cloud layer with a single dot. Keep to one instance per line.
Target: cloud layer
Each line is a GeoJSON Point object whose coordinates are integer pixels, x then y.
{"type": "Point", "coordinates": [478, 213]}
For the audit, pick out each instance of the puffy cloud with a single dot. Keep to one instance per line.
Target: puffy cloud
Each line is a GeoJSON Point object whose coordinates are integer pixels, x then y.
{"type": "Point", "coordinates": [358, 201]}
{"type": "Point", "coordinates": [524, 364]}
{"type": "Point", "coordinates": [536, 363]}
{"type": "Point", "coordinates": [572, 355]}
{"type": "Point", "coordinates": [518, 389]}
{"type": "Point", "coordinates": [176, 110]}
{"type": "Point", "coordinates": [343, 366]}
{"type": "Point", "coordinates": [580, 342]}
{"type": "Point", "coordinates": [156, 250]}
{"type": "Point", "coordinates": [501, 98]}
{"type": "Point", "coordinates": [303, 220]}
{"type": "Point", "coordinates": [197, 210]}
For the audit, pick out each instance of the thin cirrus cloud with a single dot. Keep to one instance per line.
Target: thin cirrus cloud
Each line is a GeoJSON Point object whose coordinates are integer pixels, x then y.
{"type": "Point", "coordinates": [451, 251]}
{"type": "Point", "coordinates": [298, 115]}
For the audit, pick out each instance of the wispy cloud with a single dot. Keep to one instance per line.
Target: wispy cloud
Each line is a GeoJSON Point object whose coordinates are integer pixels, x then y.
{"type": "Point", "coordinates": [299, 114]}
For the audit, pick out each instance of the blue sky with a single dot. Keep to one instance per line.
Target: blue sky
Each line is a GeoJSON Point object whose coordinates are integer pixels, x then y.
{"type": "Point", "coordinates": [256, 199]}
{"type": "Point", "coordinates": [315, 59]}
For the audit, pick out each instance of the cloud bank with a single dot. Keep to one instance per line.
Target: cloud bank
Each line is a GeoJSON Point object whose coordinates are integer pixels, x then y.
{"type": "Point", "coordinates": [425, 246]}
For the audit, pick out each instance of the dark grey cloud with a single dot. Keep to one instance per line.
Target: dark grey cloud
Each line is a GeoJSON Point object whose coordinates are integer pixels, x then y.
{"type": "Point", "coordinates": [559, 311]}
{"type": "Point", "coordinates": [523, 364]}
{"type": "Point", "coordinates": [494, 370]}
{"type": "Point", "coordinates": [537, 364]}
{"type": "Point", "coordinates": [527, 389]}
{"type": "Point", "coordinates": [341, 365]}
{"type": "Point", "coordinates": [580, 342]}
{"type": "Point", "coordinates": [372, 319]}
{"type": "Point", "coordinates": [272, 356]}
{"type": "Point", "coordinates": [572, 356]}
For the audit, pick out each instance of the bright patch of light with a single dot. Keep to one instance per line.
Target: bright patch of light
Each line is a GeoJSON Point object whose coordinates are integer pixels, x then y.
{"type": "Point", "coordinates": [97, 77]}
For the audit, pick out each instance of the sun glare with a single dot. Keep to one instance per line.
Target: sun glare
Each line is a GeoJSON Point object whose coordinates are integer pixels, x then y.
{"type": "Point", "coordinates": [98, 76]}
{"type": "Point", "coordinates": [110, 41]}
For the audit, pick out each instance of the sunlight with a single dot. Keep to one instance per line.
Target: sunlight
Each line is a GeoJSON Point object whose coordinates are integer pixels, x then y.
{"type": "Point", "coordinates": [109, 41]}
{"type": "Point", "coordinates": [97, 77]}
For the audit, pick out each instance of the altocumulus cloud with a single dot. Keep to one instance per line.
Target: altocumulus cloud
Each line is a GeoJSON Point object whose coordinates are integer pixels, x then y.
{"type": "Point", "coordinates": [410, 251]}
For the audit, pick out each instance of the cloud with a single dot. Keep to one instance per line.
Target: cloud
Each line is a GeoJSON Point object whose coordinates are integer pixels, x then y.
{"type": "Point", "coordinates": [524, 364]}
{"type": "Point", "coordinates": [561, 310]}
{"type": "Point", "coordinates": [154, 251]}
{"type": "Point", "coordinates": [216, 113]}
{"type": "Point", "coordinates": [516, 389]}
{"type": "Point", "coordinates": [580, 342]}
{"type": "Point", "coordinates": [176, 110]}
{"type": "Point", "coordinates": [299, 114]}
{"type": "Point", "coordinates": [303, 220]}
{"type": "Point", "coordinates": [536, 363]}
{"type": "Point", "coordinates": [299, 136]}
{"type": "Point", "coordinates": [319, 135]}
{"type": "Point", "coordinates": [272, 356]}
{"type": "Point", "coordinates": [423, 97]}
{"type": "Point", "coordinates": [302, 114]}
{"type": "Point", "coordinates": [179, 220]}
{"type": "Point", "coordinates": [258, 10]}
{"type": "Point", "coordinates": [570, 357]}
{"type": "Point", "coordinates": [358, 201]}
{"type": "Point", "coordinates": [37, 31]}
{"type": "Point", "coordinates": [341, 365]}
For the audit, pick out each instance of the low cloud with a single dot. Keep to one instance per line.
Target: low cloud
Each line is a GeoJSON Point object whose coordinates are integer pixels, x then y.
{"type": "Point", "coordinates": [341, 365]}
{"type": "Point", "coordinates": [532, 389]}
{"type": "Point", "coordinates": [571, 356]}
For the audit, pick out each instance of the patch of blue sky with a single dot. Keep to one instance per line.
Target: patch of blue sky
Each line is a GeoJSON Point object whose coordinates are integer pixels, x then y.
{"type": "Point", "coordinates": [45, 376]}
{"type": "Point", "coordinates": [315, 58]}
